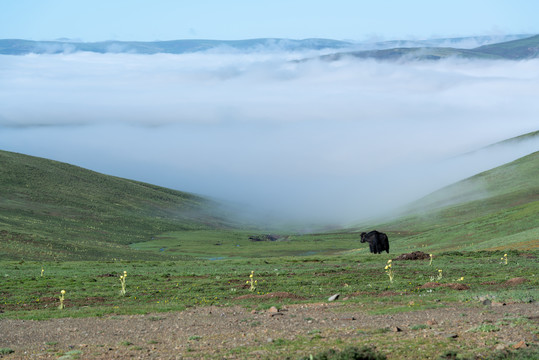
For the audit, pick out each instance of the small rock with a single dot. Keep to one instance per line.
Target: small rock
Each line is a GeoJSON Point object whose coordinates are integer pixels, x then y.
{"type": "Point", "coordinates": [451, 336]}
{"type": "Point", "coordinates": [273, 309]}
{"type": "Point", "coordinates": [500, 347]}
{"type": "Point", "coordinates": [520, 345]}
{"type": "Point", "coordinates": [396, 329]}
{"type": "Point", "coordinates": [254, 312]}
{"type": "Point", "coordinates": [269, 340]}
{"type": "Point", "coordinates": [486, 302]}
{"type": "Point", "coordinates": [497, 303]}
{"type": "Point", "coordinates": [334, 297]}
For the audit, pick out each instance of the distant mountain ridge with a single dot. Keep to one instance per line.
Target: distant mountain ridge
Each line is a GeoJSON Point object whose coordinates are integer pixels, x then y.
{"type": "Point", "coordinates": [381, 49]}
{"type": "Point", "coordinates": [23, 47]}
{"type": "Point", "coordinates": [468, 42]}
{"type": "Point", "coordinates": [520, 49]}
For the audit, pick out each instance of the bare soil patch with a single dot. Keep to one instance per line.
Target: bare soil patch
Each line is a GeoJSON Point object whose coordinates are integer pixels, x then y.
{"type": "Point", "coordinates": [454, 286]}
{"type": "Point", "coordinates": [416, 255]}
{"type": "Point", "coordinates": [236, 332]}
{"type": "Point", "coordinates": [515, 281]}
{"type": "Point", "coordinates": [492, 282]}
{"type": "Point", "coordinates": [108, 275]}
{"type": "Point", "coordinates": [273, 295]}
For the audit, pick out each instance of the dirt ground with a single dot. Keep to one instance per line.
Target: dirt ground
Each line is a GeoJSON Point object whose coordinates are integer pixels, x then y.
{"type": "Point", "coordinates": [221, 332]}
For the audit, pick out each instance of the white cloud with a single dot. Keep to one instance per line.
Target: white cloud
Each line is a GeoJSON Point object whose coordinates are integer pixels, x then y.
{"type": "Point", "coordinates": [320, 140]}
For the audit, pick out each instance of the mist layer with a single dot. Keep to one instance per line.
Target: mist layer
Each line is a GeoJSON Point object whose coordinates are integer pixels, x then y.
{"type": "Point", "coordinates": [314, 141]}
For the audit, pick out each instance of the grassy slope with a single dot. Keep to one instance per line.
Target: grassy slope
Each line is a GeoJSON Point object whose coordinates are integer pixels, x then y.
{"type": "Point", "coordinates": [52, 210]}
{"type": "Point", "coordinates": [422, 53]}
{"type": "Point", "coordinates": [493, 210]}
{"type": "Point", "coordinates": [515, 50]}
{"type": "Point", "coordinates": [527, 48]}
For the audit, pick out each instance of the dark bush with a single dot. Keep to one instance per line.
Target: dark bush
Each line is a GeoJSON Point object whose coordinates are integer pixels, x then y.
{"type": "Point", "coordinates": [350, 353]}
{"type": "Point", "coordinates": [528, 353]}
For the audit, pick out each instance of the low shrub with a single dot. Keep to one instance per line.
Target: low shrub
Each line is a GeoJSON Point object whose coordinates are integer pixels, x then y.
{"type": "Point", "coordinates": [350, 353]}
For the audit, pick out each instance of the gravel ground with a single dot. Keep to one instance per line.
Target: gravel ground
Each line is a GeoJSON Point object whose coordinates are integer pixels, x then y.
{"type": "Point", "coordinates": [212, 332]}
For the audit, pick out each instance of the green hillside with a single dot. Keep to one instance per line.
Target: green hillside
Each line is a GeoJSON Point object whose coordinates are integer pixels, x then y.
{"type": "Point", "coordinates": [52, 210]}
{"type": "Point", "coordinates": [496, 209]}
{"type": "Point", "coordinates": [527, 48]}
{"type": "Point", "coordinates": [419, 53]}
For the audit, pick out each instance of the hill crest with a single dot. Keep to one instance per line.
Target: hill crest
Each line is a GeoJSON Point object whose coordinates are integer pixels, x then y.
{"type": "Point", "coordinates": [485, 46]}
{"type": "Point", "coordinates": [520, 49]}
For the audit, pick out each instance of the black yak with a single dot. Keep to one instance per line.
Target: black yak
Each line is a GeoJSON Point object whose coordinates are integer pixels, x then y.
{"type": "Point", "coordinates": [378, 241]}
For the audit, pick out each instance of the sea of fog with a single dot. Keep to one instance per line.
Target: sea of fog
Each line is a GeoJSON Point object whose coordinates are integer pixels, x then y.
{"type": "Point", "coordinates": [297, 140]}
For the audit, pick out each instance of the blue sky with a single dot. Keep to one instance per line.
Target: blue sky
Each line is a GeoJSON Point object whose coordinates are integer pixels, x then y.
{"type": "Point", "coordinates": [96, 20]}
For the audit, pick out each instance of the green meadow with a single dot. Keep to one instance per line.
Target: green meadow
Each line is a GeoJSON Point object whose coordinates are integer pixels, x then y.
{"type": "Point", "coordinates": [94, 288]}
